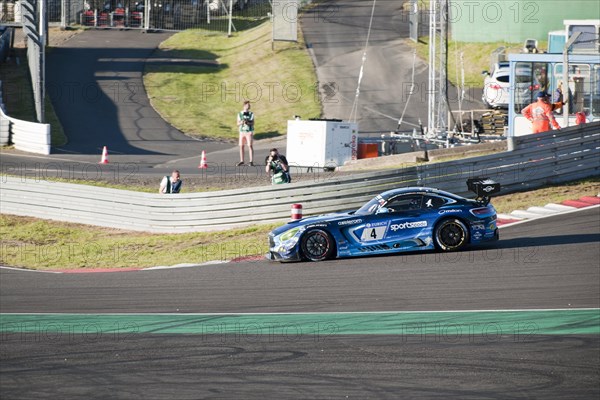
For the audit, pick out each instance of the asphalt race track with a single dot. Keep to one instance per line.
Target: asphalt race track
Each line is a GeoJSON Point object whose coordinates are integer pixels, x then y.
{"type": "Point", "coordinates": [413, 326]}
{"type": "Point", "coordinates": [337, 32]}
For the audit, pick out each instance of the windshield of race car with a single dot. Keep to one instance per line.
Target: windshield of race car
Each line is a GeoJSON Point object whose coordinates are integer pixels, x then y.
{"type": "Point", "coordinates": [371, 207]}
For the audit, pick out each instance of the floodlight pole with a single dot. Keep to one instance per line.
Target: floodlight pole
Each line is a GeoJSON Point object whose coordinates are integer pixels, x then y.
{"type": "Point", "coordinates": [442, 95]}
{"type": "Point", "coordinates": [42, 65]}
{"type": "Point", "coordinates": [437, 95]}
{"type": "Point", "coordinates": [63, 15]}
{"type": "Point", "coordinates": [230, 18]}
{"type": "Point", "coordinates": [431, 83]}
{"type": "Point", "coordinates": [147, 9]}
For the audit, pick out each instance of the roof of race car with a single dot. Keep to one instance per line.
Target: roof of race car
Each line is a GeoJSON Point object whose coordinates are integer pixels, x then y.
{"type": "Point", "coordinates": [415, 189]}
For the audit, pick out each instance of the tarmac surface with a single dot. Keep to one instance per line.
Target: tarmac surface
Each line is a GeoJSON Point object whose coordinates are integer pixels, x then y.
{"type": "Point", "coordinates": [337, 33]}
{"type": "Point", "coordinates": [518, 319]}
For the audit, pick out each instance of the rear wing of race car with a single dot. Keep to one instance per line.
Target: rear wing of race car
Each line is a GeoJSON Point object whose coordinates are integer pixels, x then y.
{"type": "Point", "coordinates": [484, 188]}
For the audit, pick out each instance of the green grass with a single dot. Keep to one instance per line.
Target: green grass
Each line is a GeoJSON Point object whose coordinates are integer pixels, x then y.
{"type": "Point", "coordinates": [550, 194]}
{"type": "Point", "coordinates": [475, 59]}
{"type": "Point", "coordinates": [40, 244]}
{"type": "Point", "coordinates": [18, 96]}
{"type": "Point", "coordinates": [57, 134]}
{"type": "Point", "coordinates": [16, 87]}
{"type": "Point", "coordinates": [204, 100]}
{"type": "Point", "coordinates": [106, 184]}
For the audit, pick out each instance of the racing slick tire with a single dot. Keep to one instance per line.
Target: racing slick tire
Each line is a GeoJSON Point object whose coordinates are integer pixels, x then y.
{"type": "Point", "coordinates": [451, 235]}
{"type": "Point", "coordinates": [317, 245]}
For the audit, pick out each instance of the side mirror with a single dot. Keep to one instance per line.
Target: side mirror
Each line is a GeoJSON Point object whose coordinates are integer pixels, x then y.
{"type": "Point", "coordinates": [485, 73]}
{"type": "Point", "coordinates": [382, 210]}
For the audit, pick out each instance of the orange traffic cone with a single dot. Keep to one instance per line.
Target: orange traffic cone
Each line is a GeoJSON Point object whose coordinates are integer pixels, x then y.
{"type": "Point", "coordinates": [203, 163]}
{"type": "Point", "coordinates": [104, 159]}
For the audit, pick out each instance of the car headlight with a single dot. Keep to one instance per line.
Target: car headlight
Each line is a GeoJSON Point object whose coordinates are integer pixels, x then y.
{"type": "Point", "coordinates": [287, 235]}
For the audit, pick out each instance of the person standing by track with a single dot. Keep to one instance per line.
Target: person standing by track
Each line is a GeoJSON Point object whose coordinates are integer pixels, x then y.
{"type": "Point", "coordinates": [540, 114]}
{"type": "Point", "coordinates": [245, 123]}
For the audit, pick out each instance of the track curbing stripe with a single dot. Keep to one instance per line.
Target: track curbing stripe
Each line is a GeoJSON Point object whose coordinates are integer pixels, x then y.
{"type": "Point", "coordinates": [486, 323]}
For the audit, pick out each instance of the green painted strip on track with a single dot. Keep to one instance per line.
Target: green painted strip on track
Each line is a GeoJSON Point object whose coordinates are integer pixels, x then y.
{"type": "Point", "coordinates": [488, 324]}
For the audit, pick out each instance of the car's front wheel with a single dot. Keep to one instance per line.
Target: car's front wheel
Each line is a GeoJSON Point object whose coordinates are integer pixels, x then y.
{"type": "Point", "coordinates": [451, 235]}
{"type": "Point", "coordinates": [317, 245]}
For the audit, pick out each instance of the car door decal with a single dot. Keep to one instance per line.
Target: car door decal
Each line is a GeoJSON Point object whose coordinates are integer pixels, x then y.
{"type": "Point", "coordinates": [370, 232]}
{"type": "Point", "coordinates": [374, 231]}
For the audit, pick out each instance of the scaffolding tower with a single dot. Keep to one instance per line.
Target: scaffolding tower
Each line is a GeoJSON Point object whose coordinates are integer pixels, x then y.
{"type": "Point", "coordinates": [437, 107]}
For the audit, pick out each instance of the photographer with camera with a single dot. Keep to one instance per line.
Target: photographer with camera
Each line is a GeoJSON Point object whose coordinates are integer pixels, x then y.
{"type": "Point", "coordinates": [171, 184]}
{"type": "Point", "coordinates": [277, 166]}
{"type": "Point", "coordinates": [245, 123]}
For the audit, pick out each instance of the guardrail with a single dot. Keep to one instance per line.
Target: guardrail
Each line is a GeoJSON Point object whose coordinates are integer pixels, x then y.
{"type": "Point", "coordinates": [537, 160]}
{"type": "Point", "coordinates": [26, 136]}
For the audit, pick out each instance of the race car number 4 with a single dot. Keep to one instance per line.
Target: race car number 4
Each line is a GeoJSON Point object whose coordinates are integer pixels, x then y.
{"type": "Point", "coordinates": [370, 234]}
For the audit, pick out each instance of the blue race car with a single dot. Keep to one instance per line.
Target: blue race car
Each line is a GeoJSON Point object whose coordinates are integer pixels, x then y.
{"type": "Point", "coordinates": [398, 220]}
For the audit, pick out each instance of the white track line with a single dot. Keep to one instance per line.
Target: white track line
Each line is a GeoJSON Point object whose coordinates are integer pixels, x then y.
{"type": "Point", "coordinates": [29, 270]}
{"type": "Point", "coordinates": [160, 267]}
{"type": "Point", "coordinates": [548, 216]}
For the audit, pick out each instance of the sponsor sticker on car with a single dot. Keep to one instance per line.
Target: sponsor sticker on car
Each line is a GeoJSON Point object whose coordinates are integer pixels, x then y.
{"type": "Point", "coordinates": [454, 210]}
{"type": "Point", "coordinates": [408, 225]}
{"type": "Point", "coordinates": [350, 222]}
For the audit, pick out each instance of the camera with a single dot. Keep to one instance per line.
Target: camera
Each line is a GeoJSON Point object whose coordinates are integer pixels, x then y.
{"type": "Point", "coordinates": [246, 118]}
{"type": "Point", "coordinates": [273, 158]}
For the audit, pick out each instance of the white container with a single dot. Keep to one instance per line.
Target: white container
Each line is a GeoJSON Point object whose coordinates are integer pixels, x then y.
{"type": "Point", "coordinates": [321, 143]}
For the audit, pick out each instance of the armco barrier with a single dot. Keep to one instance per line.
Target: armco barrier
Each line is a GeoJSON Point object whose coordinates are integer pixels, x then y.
{"type": "Point", "coordinates": [551, 157]}
{"type": "Point", "coordinates": [26, 136]}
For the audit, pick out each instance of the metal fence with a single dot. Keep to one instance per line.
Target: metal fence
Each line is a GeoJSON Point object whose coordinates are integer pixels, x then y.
{"type": "Point", "coordinates": [176, 15]}
{"type": "Point", "coordinates": [536, 160]}
{"type": "Point", "coordinates": [169, 15]}
{"type": "Point", "coordinates": [8, 11]}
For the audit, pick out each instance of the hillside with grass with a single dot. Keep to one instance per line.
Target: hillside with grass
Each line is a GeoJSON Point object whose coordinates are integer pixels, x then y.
{"type": "Point", "coordinates": [202, 99]}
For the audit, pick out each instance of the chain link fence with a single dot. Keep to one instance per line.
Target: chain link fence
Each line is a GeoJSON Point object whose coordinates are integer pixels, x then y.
{"type": "Point", "coordinates": [225, 16]}
{"type": "Point", "coordinates": [167, 15]}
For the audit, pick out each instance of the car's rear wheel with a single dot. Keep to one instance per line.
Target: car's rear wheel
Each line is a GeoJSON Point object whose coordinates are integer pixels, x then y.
{"type": "Point", "coordinates": [317, 245]}
{"type": "Point", "coordinates": [451, 235]}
